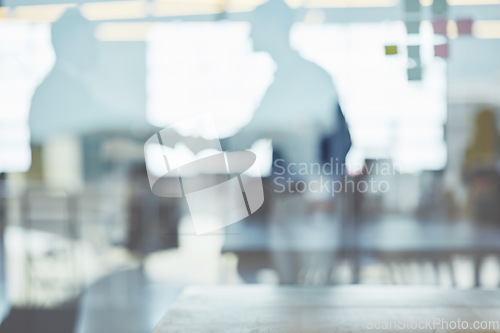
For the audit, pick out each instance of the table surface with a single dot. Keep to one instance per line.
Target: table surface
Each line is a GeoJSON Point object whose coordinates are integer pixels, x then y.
{"type": "Point", "coordinates": [254, 308]}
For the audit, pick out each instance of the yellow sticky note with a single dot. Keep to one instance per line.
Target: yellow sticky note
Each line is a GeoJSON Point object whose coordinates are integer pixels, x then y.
{"type": "Point", "coordinates": [391, 49]}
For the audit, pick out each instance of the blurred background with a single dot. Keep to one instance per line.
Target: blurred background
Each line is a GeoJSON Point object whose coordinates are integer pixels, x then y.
{"type": "Point", "coordinates": [401, 94]}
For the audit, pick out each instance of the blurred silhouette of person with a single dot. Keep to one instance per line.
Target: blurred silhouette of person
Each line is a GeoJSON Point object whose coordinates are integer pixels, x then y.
{"type": "Point", "coordinates": [63, 102]}
{"type": "Point", "coordinates": [484, 148]}
{"type": "Point", "coordinates": [72, 99]}
{"type": "Point", "coordinates": [299, 107]}
{"type": "Point", "coordinates": [299, 112]}
{"type": "Point", "coordinates": [152, 221]}
{"type": "Point", "coordinates": [480, 169]}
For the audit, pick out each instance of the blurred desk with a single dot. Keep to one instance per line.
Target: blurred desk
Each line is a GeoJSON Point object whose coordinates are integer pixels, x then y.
{"type": "Point", "coordinates": [337, 309]}
{"type": "Point", "coordinates": [386, 236]}
{"type": "Point", "coordinates": [393, 239]}
{"type": "Point", "coordinates": [412, 236]}
{"type": "Point", "coordinates": [400, 240]}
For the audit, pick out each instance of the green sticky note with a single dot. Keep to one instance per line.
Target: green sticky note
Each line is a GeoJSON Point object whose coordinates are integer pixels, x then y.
{"type": "Point", "coordinates": [415, 73]}
{"type": "Point", "coordinates": [414, 52]}
{"type": "Point", "coordinates": [439, 7]}
{"type": "Point", "coordinates": [412, 5]}
{"type": "Point", "coordinates": [413, 27]}
{"type": "Point", "coordinates": [391, 49]}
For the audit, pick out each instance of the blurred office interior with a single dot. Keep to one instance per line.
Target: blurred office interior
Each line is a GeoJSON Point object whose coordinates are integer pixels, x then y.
{"type": "Point", "coordinates": [403, 94]}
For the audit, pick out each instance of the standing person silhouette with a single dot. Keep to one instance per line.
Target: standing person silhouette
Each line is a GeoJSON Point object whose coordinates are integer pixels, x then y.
{"type": "Point", "coordinates": [69, 101]}
{"type": "Point", "coordinates": [63, 102]}
{"type": "Point", "coordinates": [297, 112]}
